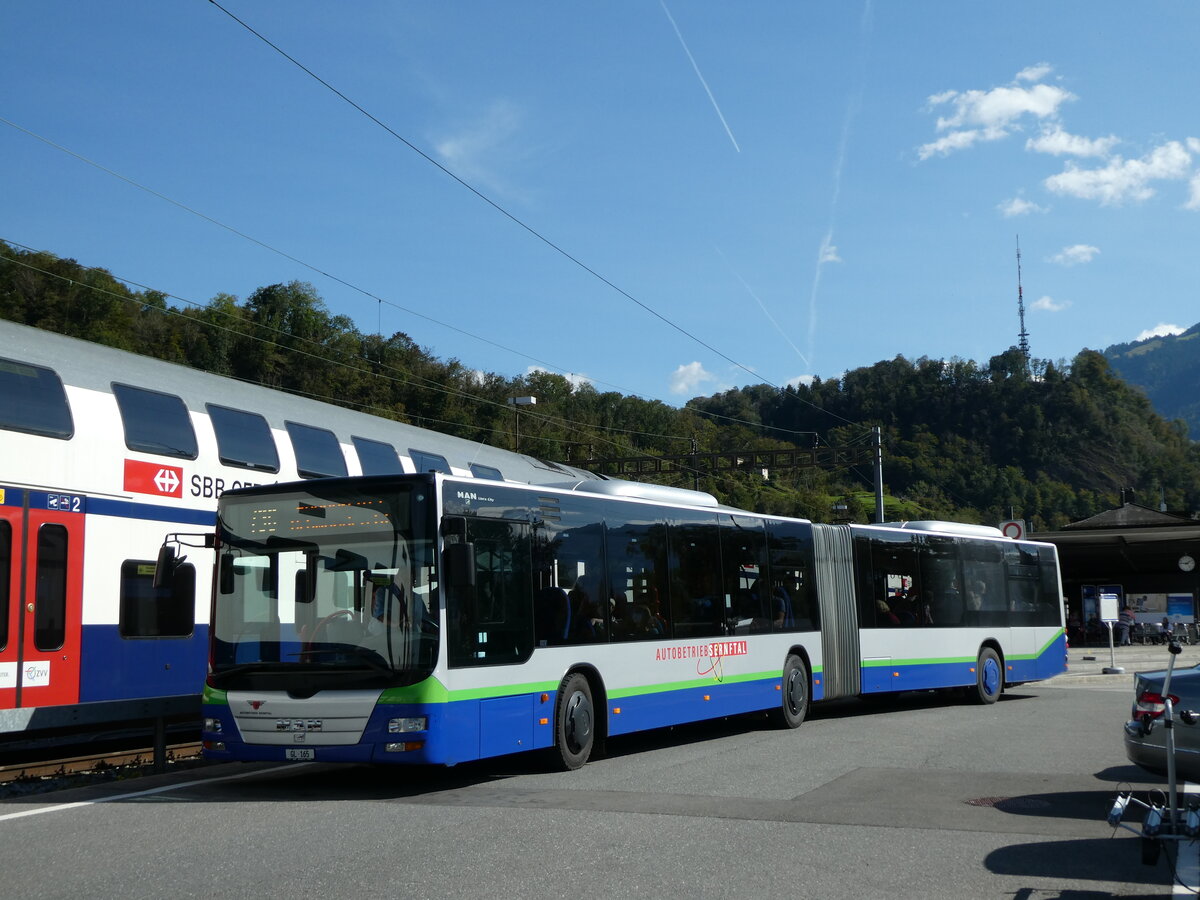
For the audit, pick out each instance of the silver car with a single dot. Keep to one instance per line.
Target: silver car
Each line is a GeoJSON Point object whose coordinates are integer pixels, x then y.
{"type": "Point", "coordinates": [1146, 733]}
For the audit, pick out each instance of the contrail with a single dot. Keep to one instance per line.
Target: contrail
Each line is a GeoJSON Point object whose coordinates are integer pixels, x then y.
{"type": "Point", "coordinates": [696, 68]}
{"type": "Point", "coordinates": [851, 111]}
{"type": "Point", "coordinates": [763, 307]}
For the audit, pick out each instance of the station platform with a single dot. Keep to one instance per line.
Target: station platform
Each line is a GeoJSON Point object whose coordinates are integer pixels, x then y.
{"type": "Point", "coordinates": [1090, 662]}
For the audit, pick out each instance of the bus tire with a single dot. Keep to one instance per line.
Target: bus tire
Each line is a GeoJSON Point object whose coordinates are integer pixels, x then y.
{"type": "Point", "coordinates": [794, 705]}
{"type": "Point", "coordinates": [574, 722]}
{"type": "Point", "coordinates": [989, 677]}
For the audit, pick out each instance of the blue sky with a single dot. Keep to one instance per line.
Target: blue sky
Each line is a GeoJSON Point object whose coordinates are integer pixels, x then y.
{"type": "Point", "coordinates": [692, 195]}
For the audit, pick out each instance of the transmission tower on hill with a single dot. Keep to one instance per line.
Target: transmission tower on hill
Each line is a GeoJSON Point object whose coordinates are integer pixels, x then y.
{"type": "Point", "coordinates": [1022, 335]}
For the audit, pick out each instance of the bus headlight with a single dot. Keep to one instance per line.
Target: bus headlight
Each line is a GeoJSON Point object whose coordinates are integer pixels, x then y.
{"type": "Point", "coordinates": [407, 724]}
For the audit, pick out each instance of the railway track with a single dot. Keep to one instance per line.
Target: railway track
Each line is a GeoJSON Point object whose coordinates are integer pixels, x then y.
{"type": "Point", "coordinates": [39, 775]}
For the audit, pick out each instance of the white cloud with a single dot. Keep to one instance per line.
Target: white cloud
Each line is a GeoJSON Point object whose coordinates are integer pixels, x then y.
{"type": "Point", "coordinates": [1160, 330]}
{"type": "Point", "coordinates": [1122, 179]}
{"type": "Point", "coordinates": [473, 152]}
{"type": "Point", "coordinates": [1049, 304]}
{"type": "Point", "coordinates": [959, 140]}
{"type": "Point", "coordinates": [1018, 206]}
{"type": "Point", "coordinates": [686, 379]}
{"type": "Point", "coordinates": [1001, 107]}
{"type": "Point", "coordinates": [1035, 72]}
{"type": "Point", "coordinates": [991, 115]}
{"type": "Point", "coordinates": [1058, 142]}
{"type": "Point", "coordinates": [1193, 193]}
{"type": "Point", "coordinates": [1075, 254]}
{"type": "Point", "coordinates": [575, 379]}
{"type": "Point", "coordinates": [799, 380]}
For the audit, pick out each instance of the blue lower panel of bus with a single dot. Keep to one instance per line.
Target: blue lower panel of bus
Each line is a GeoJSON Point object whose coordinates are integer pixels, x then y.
{"type": "Point", "coordinates": [457, 732]}
{"type": "Point", "coordinates": [116, 668]}
{"type": "Point", "coordinates": [919, 675]}
{"type": "Point", "coordinates": [463, 730]}
{"type": "Point", "coordinates": [662, 708]}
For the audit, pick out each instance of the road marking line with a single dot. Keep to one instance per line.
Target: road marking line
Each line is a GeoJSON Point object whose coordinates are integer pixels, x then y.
{"type": "Point", "coordinates": [158, 790]}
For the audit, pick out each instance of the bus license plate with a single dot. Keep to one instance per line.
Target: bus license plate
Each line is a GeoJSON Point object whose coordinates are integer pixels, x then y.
{"type": "Point", "coordinates": [299, 753]}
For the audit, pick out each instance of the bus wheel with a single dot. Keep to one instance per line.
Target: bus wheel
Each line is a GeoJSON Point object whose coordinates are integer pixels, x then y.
{"type": "Point", "coordinates": [794, 707]}
{"type": "Point", "coordinates": [574, 722]}
{"type": "Point", "coordinates": [989, 677]}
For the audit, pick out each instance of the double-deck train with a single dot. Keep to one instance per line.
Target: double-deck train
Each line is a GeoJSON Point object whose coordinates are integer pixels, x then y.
{"type": "Point", "coordinates": [102, 453]}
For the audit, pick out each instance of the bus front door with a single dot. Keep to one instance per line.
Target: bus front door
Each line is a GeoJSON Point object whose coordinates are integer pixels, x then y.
{"type": "Point", "coordinates": [41, 597]}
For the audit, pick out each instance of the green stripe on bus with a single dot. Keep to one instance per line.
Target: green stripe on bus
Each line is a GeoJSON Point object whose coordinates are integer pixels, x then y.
{"type": "Point", "coordinates": [214, 696]}
{"type": "Point", "coordinates": [883, 663]}
{"type": "Point", "coordinates": [691, 683]}
{"type": "Point", "coordinates": [887, 663]}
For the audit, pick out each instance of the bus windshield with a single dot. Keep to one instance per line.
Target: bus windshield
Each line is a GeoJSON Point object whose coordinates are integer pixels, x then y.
{"type": "Point", "coordinates": [330, 584]}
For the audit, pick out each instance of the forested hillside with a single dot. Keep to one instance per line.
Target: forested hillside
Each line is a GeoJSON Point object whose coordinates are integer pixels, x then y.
{"type": "Point", "coordinates": [961, 440]}
{"type": "Point", "coordinates": [1168, 369]}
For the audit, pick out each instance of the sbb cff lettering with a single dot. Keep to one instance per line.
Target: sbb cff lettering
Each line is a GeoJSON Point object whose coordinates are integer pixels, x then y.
{"type": "Point", "coordinates": [211, 488]}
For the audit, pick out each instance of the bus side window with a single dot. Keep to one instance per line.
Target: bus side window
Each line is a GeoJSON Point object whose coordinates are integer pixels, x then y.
{"type": "Point", "coordinates": [791, 593]}
{"type": "Point", "coordinates": [492, 623]}
{"type": "Point", "coordinates": [942, 594]}
{"type": "Point", "coordinates": [744, 563]}
{"type": "Point", "coordinates": [896, 590]}
{"type": "Point", "coordinates": [697, 608]}
{"type": "Point", "coordinates": [637, 565]}
{"type": "Point", "coordinates": [985, 594]}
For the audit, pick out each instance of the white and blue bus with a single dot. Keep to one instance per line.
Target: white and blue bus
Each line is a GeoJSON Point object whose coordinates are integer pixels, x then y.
{"type": "Point", "coordinates": [434, 619]}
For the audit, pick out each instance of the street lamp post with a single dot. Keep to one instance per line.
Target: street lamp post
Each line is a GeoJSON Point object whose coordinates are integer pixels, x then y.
{"type": "Point", "coordinates": [516, 403]}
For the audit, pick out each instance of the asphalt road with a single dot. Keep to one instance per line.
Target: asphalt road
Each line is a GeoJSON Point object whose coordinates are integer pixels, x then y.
{"type": "Point", "coordinates": [913, 797]}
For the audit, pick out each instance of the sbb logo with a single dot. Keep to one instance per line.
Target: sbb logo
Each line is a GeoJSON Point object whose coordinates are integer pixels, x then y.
{"type": "Point", "coordinates": [153, 478]}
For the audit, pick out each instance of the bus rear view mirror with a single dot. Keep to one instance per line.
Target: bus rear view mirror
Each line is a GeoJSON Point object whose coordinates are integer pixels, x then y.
{"type": "Point", "coordinates": [164, 567]}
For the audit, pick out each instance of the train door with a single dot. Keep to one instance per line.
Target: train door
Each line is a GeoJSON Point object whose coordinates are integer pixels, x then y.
{"type": "Point", "coordinates": [41, 597]}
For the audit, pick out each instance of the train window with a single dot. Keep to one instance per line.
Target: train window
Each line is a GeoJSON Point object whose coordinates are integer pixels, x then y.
{"type": "Point", "coordinates": [429, 462]}
{"type": "Point", "coordinates": [150, 612]}
{"type": "Point", "coordinates": [155, 422]}
{"type": "Point", "coordinates": [376, 457]}
{"type": "Point", "coordinates": [243, 439]}
{"type": "Point", "coordinates": [50, 598]}
{"type": "Point", "coordinates": [486, 472]}
{"type": "Point", "coordinates": [5, 576]}
{"type": "Point", "coordinates": [318, 453]}
{"type": "Point", "coordinates": [32, 400]}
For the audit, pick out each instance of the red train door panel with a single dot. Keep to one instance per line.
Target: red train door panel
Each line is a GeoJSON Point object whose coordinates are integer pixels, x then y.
{"type": "Point", "coordinates": [44, 532]}
{"type": "Point", "coordinates": [11, 518]}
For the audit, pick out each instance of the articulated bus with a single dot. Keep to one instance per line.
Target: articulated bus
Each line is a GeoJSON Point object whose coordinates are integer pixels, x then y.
{"type": "Point", "coordinates": [433, 619]}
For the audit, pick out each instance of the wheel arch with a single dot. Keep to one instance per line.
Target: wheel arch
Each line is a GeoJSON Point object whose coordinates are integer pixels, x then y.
{"type": "Point", "coordinates": [599, 694]}
{"type": "Point", "coordinates": [802, 652]}
{"type": "Point", "coordinates": [994, 644]}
